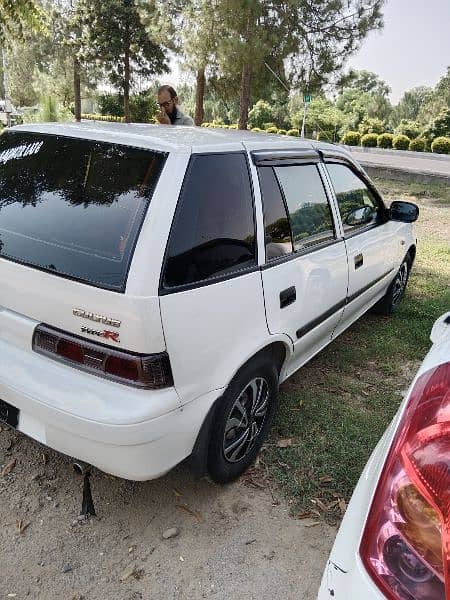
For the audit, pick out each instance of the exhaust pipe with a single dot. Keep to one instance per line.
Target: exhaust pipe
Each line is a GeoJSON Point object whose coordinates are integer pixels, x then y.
{"type": "Point", "coordinates": [81, 468]}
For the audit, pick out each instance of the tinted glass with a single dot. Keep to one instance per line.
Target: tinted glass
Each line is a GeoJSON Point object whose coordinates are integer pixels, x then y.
{"type": "Point", "coordinates": [357, 204]}
{"type": "Point", "coordinates": [276, 224]}
{"type": "Point", "coordinates": [309, 211]}
{"type": "Point", "coordinates": [213, 232]}
{"type": "Point", "coordinates": [72, 206]}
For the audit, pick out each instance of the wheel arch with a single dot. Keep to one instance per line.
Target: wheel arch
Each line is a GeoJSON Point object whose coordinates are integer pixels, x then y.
{"type": "Point", "coordinates": [278, 351]}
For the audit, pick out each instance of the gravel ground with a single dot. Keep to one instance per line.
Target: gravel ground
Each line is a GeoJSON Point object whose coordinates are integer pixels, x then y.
{"type": "Point", "coordinates": [236, 541]}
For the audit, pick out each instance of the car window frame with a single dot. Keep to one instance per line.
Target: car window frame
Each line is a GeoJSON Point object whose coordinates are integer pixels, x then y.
{"type": "Point", "coordinates": [362, 177]}
{"type": "Point", "coordinates": [164, 290]}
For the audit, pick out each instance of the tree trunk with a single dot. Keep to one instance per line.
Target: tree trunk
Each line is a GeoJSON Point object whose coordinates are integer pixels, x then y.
{"type": "Point", "coordinates": [77, 88]}
{"type": "Point", "coordinates": [245, 95]}
{"type": "Point", "coordinates": [126, 83]}
{"type": "Point", "coordinates": [2, 87]}
{"type": "Point", "coordinates": [199, 96]}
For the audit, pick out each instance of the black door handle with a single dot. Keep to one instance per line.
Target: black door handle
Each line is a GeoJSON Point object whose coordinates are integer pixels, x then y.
{"type": "Point", "coordinates": [288, 296]}
{"type": "Point", "coordinates": [359, 260]}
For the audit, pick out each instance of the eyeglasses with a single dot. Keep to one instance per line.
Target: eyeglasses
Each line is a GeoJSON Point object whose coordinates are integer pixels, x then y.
{"type": "Point", "coordinates": [165, 104]}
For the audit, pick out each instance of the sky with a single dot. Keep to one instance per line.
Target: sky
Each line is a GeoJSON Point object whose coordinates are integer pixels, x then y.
{"type": "Point", "coordinates": [412, 49]}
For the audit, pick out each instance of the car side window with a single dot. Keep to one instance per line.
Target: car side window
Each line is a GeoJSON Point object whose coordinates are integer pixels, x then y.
{"type": "Point", "coordinates": [309, 210]}
{"type": "Point", "coordinates": [213, 232]}
{"type": "Point", "coordinates": [358, 206]}
{"type": "Point", "coordinates": [277, 230]}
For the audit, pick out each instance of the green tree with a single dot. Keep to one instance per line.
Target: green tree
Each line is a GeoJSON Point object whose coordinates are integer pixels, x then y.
{"type": "Point", "coordinates": [114, 37]}
{"type": "Point", "coordinates": [363, 95]}
{"type": "Point", "coordinates": [410, 105]}
{"type": "Point", "coordinates": [19, 16]}
{"type": "Point", "coordinates": [323, 118]}
{"type": "Point", "coordinates": [318, 37]}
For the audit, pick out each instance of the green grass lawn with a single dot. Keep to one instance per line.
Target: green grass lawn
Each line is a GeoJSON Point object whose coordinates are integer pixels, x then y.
{"type": "Point", "coordinates": [334, 410]}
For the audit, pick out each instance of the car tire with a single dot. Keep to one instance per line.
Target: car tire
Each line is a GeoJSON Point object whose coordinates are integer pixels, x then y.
{"type": "Point", "coordinates": [242, 420]}
{"type": "Point", "coordinates": [391, 300]}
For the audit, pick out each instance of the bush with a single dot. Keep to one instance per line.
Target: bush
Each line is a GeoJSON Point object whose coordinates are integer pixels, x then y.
{"type": "Point", "coordinates": [261, 113]}
{"type": "Point", "coordinates": [401, 142]}
{"type": "Point", "coordinates": [269, 126]}
{"type": "Point", "coordinates": [384, 140]}
{"type": "Point", "coordinates": [282, 131]}
{"type": "Point", "coordinates": [272, 130]}
{"type": "Point", "coordinates": [417, 145]}
{"type": "Point", "coordinates": [293, 133]}
{"type": "Point", "coordinates": [325, 136]}
{"type": "Point", "coordinates": [411, 129]}
{"type": "Point", "coordinates": [351, 138]}
{"type": "Point", "coordinates": [204, 125]}
{"type": "Point", "coordinates": [369, 140]}
{"type": "Point", "coordinates": [440, 127]}
{"type": "Point", "coordinates": [111, 104]}
{"type": "Point", "coordinates": [371, 125]}
{"type": "Point", "coordinates": [234, 126]}
{"type": "Point", "coordinates": [441, 145]}
{"type": "Point", "coordinates": [257, 129]}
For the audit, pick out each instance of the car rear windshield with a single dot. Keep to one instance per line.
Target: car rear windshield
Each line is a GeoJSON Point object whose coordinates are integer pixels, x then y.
{"type": "Point", "coordinates": [74, 207]}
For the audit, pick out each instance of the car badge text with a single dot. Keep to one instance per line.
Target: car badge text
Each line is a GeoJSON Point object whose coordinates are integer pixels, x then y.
{"type": "Point", "coordinates": [85, 314]}
{"type": "Point", "coordinates": [107, 335]}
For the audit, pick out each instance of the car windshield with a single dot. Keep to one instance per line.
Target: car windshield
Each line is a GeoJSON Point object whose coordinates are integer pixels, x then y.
{"type": "Point", "coordinates": [74, 207]}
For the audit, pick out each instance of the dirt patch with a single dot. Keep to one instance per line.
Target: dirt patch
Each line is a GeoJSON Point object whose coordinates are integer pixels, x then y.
{"type": "Point", "coordinates": [236, 541]}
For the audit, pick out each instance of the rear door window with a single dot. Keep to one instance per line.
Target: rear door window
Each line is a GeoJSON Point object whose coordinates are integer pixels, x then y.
{"type": "Point", "coordinates": [74, 207]}
{"type": "Point", "coordinates": [213, 234]}
{"type": "Point", "coordinates": [277, 229]}
{"type": "Point", "coordinates": [307, 203]}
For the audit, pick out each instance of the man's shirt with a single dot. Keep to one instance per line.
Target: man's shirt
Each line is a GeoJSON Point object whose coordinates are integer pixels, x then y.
{"type": "Point", "coordinates": [182, 119]}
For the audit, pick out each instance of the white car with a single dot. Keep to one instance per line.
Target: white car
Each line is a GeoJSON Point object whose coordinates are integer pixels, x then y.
{"type": "Point", "coordinates": [159, 282]}
{"type": "Point", "coordinates": [394, 541]}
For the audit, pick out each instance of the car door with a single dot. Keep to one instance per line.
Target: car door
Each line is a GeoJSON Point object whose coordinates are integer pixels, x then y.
{"type": "Point", "coordinates": [211, 296]}
{"type": "Point", "coordinates": [368, 236]}
{"type": "Point", "coordinates": [305, 271]}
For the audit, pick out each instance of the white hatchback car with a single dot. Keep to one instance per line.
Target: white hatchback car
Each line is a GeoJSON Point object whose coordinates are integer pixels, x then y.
{"type": "Point", "coordinates": [394, 541]}
{"type": "Point", "coordinates": [158, 283]}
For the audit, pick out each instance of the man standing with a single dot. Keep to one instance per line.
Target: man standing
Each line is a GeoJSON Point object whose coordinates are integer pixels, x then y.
{"type": "Point", "coordinates": [170, 113]}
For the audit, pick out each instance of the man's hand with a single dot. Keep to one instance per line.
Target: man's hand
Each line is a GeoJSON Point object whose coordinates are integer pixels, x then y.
{"type": "Point", "coordinates": [163, 118]}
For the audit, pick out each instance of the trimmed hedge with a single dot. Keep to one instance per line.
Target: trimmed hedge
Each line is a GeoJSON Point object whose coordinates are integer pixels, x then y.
{"type": "Point", "coordinates": [385, 140]}
{"type": "Point", "coordinates": [417, 145]}
{"type": "Point", "coordinates": [293, 133]}
{"type": "Point", "coordinates": [257, 129]}
{"type": "Point", "coordinates": [441, 145]}
{"type": "Point", "coordinates": [401, 142]}
{"type": "Point", "coordinates": [272, 130]}
{"type": "Point", "coordinates": [282, 131]}
{"type": "Point", "coordinates": [351, 138]}
{"type": "Point", "coordinates": [369, 140]}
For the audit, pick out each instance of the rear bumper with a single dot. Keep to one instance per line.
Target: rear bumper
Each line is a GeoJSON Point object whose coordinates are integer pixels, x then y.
{"type": "Point", "coordinates": [135, 434]}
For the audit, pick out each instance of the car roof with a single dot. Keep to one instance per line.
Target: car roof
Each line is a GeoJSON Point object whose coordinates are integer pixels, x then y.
{"type": "Point", "coordinates": [172, 138]}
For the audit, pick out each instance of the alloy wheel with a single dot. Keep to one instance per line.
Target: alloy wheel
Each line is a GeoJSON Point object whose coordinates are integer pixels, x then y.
{"type": "Point", "coordinates": [245, 420]}
{"type": "Point", "coordinates": [400, 284]}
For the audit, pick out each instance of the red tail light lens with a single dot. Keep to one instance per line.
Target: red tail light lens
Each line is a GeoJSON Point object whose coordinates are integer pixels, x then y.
{"type": "Point", "coordinates": [406, 543]}
{"type": "Point", "coordinates": [151, 371]}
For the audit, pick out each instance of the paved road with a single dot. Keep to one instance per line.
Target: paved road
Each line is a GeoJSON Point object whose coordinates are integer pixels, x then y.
{"type": "Point", "coordinates": [414, 162]}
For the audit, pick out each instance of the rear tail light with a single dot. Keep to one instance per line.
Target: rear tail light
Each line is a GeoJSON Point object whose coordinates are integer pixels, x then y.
{"type": "Point", "coordinates": [143, 371]}
{"type": "Point", "coordinates": [406, 543]}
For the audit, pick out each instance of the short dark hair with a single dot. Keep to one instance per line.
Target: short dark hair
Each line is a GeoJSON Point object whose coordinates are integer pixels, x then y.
{"type": "Point", "coordinates": [167, 88]}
